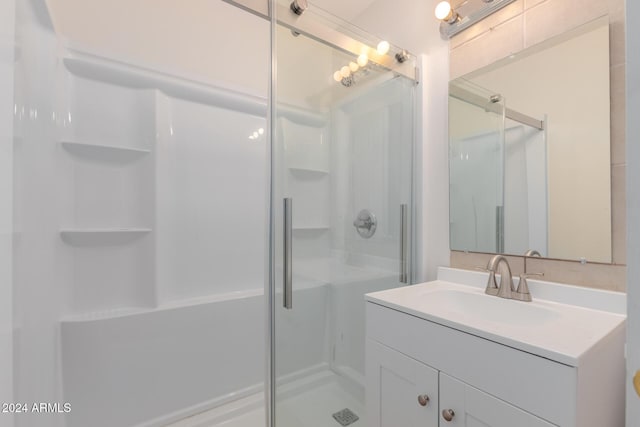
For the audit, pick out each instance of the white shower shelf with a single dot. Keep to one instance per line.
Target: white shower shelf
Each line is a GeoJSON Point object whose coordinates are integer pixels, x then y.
{"type": "Point", "coordinates": [90, 66]}
{"type": "Point", "coordinates": [303, 170]}
{"type": "Point", "coordinates": [102, 236]}
{"type": "Point", "coordinates": [103, 152]}
{"type": "Point", "coordinates": [318, 227]}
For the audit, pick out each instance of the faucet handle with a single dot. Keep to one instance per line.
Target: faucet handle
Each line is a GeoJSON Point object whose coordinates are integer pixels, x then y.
{"type": "Point", "coordinates": [527, 275]}
{"type": "Point", "coordinates": [492, 285]}
{"type": "Point", "coordinates": [522, 293]}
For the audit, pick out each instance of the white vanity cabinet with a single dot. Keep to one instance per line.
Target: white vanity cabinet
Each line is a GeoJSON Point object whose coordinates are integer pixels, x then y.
{"type": "Point", "coordinates": [469, 407]}
{"type": "Point", "coordinates": [404, 392]}
{"type": "Point", "coordinates": [490, 379]}
{"type": "Point", "coordinates": [400, 390]}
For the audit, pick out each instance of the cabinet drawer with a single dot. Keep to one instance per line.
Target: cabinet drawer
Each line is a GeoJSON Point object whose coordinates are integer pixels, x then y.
{"type": "Point", "coordinates": [529, 382]}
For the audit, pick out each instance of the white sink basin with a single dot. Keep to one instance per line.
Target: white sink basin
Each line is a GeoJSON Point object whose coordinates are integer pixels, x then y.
{"type": "Point", "coordinates": [489, 308]}
{"type": "Point", "coordinates": [550, 327]}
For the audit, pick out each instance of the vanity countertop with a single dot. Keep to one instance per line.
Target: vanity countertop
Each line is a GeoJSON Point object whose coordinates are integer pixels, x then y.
{"type": "Point", "coordinates": [561, 323]}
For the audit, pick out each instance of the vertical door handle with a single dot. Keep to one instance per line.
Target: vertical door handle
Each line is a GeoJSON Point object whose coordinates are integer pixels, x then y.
{"type": "Point", "coordinates": [404, 276]}
{"type": "Point", "coordinates": [288, 252]}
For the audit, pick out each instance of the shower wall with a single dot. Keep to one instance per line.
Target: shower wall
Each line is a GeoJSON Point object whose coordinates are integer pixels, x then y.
{"type": "Point", "coordinates": [7, 49]}
{"type": "Point", "coordinates": [140, 192]}
{"type": "Point", "coordinates": [369, 127]}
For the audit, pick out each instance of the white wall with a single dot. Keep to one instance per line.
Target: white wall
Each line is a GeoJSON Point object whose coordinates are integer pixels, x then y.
{"type": "Point", "coordinates": [7, 20]}
{"type": "Point", "coordinates": [633, 207]}
{"type": "Point", "coordinates": [433, 167]}
{"type": "Point", "coordinates": [201, 41]}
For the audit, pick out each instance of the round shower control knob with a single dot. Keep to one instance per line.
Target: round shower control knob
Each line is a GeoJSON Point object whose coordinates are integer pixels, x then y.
{"type": "Point", "coordinates": [423, 399]}
{"type": "Point", "coordinates": [448, 414]}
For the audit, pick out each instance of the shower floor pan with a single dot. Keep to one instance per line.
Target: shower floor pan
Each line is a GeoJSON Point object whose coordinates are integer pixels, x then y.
{"type": "Point", "coordinates": [312, 404]}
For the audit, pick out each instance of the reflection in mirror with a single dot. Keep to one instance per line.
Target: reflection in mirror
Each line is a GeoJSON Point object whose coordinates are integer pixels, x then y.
{"type": "Point", "coordinates": [529, 151]}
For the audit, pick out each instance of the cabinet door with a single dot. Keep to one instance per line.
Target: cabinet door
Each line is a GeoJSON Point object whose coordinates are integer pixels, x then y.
{"type": "Point", "coordinates": [400, 391]}
{"type": "Point", "coordinates": [474, 408]}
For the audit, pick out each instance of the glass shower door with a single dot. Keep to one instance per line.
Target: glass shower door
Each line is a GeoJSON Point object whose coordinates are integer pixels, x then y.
{"type": "Point", "coordinates": [342, 204]}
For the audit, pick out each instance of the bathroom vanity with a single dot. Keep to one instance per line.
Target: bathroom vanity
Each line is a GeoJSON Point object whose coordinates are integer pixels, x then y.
{"type": "Point", "coordinates": [444, 353]}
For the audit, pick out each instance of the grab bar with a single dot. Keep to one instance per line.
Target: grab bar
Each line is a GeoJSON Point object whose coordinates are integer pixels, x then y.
{"type": "Point", "coordinates": [288, 252]}
{"type": "Point", "coordinates": [404, 276]}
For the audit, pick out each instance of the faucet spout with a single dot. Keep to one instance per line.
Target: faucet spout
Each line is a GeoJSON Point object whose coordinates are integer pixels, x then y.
{"type": "Point", "coordinates": [506, 289]}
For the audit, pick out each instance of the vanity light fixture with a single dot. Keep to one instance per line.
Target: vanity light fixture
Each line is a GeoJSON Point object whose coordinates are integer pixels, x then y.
{"type": "Point", "coordinates": [383, 47]}
{"type": "Point", "coordinates": [346, 74]}
{"type": "Point", "coordinates": [256, 134]}
{"type": "Point", "coordinates": [363, 60]}
{"type": "Point", "coordinates": [402, 56]}
{"type": "Point", "coordinates": [445, 13]}
{"type": "Point", "coordinates": [469, 12]}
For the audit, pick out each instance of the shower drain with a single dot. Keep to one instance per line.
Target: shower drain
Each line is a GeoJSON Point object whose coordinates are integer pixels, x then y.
{"type": "Point", "coordinates": [345, 417]}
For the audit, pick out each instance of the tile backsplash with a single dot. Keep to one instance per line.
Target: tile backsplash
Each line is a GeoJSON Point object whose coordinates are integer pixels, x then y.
{"type": "Point", "coordinates": [518, 26]}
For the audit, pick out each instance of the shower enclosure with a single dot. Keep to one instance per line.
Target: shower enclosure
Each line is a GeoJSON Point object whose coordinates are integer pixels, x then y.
{"type": "Point", "coordinates": [343, 132]}
{"type": "Point", "coordinates": [177, 224]}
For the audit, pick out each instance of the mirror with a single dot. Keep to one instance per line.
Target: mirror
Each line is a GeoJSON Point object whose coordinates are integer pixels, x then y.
{"type": "Point", "coordinates": [529, 151]}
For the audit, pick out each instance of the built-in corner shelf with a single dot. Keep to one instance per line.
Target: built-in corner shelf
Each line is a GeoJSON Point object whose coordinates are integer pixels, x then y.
{"type": "Point", "coordinates": [103, 152]}
{"type": "Point", "coordinates": [308, 171]}
{"type": "Point", "coordinates": [102, 236]}
{"type": "Point", "coordinates": [311, 228]}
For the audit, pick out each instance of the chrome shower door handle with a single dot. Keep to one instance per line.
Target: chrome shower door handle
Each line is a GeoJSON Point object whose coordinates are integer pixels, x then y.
{"type": "Point", "coordinates": [404, 276]}
{"type": "Point", "coordinates": [287, 254]}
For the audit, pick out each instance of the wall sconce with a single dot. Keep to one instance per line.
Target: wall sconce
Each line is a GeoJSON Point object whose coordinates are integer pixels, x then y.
{"type": "Point", "coordinates": [470, 12]}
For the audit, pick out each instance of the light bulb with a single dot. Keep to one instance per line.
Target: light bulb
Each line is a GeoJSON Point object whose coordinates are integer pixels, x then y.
{"type": "Point", "coordinates": [363, 60]}
{"type": "Point", "coordinates": [443, 10]}
{"type": "Point", "coordinates": [353, 67]}
{"type": "Point", "coordinates": [255, 134]}
{"type": "Point", "coordinates": [383, 47]}
{"type": "Point", "coordinates": [261, 131]}
{"type": "Point", "coordinates": [345, 71]}
{"type": "Point", "coordinates": [337, 76]}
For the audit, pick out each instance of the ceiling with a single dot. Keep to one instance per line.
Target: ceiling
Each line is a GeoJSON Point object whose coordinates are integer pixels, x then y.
{"type": "Point", "coordinates": [347, 10]}
{"type": "Point", "coordinates": [409, 24]}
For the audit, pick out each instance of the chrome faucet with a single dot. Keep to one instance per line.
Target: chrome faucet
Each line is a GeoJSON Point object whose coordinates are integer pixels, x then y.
{"type": "Point", "coordinates": [505, 290]}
